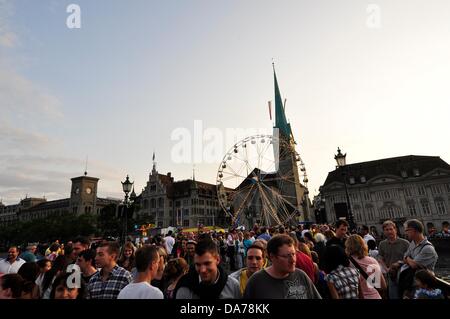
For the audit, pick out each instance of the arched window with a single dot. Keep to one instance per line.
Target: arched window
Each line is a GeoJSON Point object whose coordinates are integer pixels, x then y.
{"type": "Point", "coordinates": [161, 202]}
{"type": "Point", "coordinates": [145, 203]}
{"type": "Point", "coordinates": [152, 203]}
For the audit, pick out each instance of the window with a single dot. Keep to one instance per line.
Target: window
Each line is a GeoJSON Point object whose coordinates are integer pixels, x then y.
{"type": "Point", "coordinates": [426, 209]}
{"type": "Point", "coordinates": [390, 212]}
{"type": "Point", "coordinates": [161, 213]}
{"type": "Point", "coordinates": [412, 210]}
{"type": "Point", "coordinates": [186, 212]}
{"type": "Point", "coordinates": [153, 203]}
{"type": "Point", "coordinates": [177, 203]}
{"type": "Point", "coordinates": [363, 179]}
{"type": "Point", "coordinates": [408, 192]}
{"type": "Point", "coordinates": [145, 203]}
{"type": "Point", "coordinates": [436, 189]}
{"type": "Point", "coordinates": [201, 221]}
{"type": "Point", "coordinates": [421, 190]}
{"type": "Point", "coordinates": [160, 224]}
{"type": "Point", "coordinates": [371, 213]}
{"type": "Point", "coordinates": [404, 174]}
{"type": "Point", "coordinates": [186, 223]}
{"type": "Point", "coordinates": [352, 180]}
{"type": "Point", "coordinates": [440, 206]}
{"type": "Point", "coordinates": [185, 202]}
{"type": "Point", "coordinates": [161, 202]}
{"type": "Point", "coordinates": [153, 188]}
{"type": "Point", "coordinates": [202, 202]}
{"type": "Point", "coordinates": [416, 172]}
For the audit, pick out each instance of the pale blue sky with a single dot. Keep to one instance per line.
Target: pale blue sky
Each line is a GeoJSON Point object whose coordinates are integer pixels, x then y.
{"type": "Point", "coordinates": [117, 88]}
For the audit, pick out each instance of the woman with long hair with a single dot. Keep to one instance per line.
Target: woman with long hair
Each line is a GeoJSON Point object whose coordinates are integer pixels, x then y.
{"type": "Point", "coordinates": [356, 249]}
{"type": "Point", "coordinates": [58, 266]}
{"type": "Point", "coordinates": [174, 270]}
{"type": "Point", "coordinates": [126, 259]}
{"type": "Point", "coordinates": [159, 281]}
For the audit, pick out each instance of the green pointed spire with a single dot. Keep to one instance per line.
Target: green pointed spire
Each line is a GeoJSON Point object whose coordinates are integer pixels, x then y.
{"type": "Point", "coordinates": [280, 117]}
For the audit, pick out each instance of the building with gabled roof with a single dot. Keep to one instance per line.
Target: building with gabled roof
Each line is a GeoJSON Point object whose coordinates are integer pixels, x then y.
{"type": "Point", "coordinates": [187, 203]}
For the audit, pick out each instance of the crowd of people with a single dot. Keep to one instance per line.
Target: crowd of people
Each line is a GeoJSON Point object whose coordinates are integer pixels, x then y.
{"type": "Point", "coordinates": [301, 262]}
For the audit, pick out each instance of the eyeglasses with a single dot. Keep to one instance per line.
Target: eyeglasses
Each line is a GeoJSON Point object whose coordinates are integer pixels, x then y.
{"type": "Point", "coordinates": [287, 256]}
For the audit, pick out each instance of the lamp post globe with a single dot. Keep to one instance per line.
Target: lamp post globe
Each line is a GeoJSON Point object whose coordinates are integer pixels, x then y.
{"type": "Point", "coordinates": [126, 186]}
{"type": "Point", "coordinates": [342, 164]}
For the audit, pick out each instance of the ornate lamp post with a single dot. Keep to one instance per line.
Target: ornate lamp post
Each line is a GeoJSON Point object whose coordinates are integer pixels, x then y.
{"type": "Point", "coordinates": [126, 186]}
{"type": "Point", "coordinates": [341, 163]}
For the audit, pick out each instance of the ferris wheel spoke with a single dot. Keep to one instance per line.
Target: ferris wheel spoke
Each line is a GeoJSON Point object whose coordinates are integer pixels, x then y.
{"type": "Point", "coordinates": [242, 203]}
{"type": "Point", "coordinates": [272, 210]}
{"type": "Point", "coordinates": [232, 174]}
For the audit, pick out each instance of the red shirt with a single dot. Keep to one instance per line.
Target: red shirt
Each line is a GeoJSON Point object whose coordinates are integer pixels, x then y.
{"type": "Point", "coordinates": [305, 263]}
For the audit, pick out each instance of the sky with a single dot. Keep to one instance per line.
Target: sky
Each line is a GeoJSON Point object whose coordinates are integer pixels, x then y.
{"type": "Point", "coordinates": [370, 77]}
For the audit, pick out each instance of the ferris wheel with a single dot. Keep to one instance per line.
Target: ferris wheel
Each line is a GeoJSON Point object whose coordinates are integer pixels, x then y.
{"type": "Point", "coordinates": [262, 179]}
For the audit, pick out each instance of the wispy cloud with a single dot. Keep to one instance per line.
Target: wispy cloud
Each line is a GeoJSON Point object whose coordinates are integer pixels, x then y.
{"type": "Point", "coordinates": [17, 139]}
{"type": "Point", "coordinates": [24, 98]}
{"type": "Point", "coordinates": [7, 37]}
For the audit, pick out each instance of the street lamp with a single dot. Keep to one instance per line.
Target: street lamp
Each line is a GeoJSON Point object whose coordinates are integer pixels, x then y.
{"type": "Point", "coordinates": [341, 163]}
{"type": "Point", "coordinates": [126, 186]}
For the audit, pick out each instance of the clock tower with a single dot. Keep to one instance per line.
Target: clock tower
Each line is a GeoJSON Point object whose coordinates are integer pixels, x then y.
{"type": "Point", "coordinates": [83, 195]}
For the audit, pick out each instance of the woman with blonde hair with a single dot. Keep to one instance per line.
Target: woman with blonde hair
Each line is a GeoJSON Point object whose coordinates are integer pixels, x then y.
{"type": "Point", "coordinates": [159, 280]}
{"type": "Point", "coordinates": [371, 276]}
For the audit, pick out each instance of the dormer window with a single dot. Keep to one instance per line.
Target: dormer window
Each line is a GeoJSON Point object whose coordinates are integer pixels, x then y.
{"type": "Point", "coordinates": [416, 172]}
{"type": "Point", "coordinates": [363, 179]}
{"type": "Point", "coordinates": [404, 174]}
{"type": "Point", "coordinates": [352, 180]}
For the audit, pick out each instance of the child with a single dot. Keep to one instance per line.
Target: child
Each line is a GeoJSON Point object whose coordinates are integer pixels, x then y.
{"type": "Point", "coordinates": [426, 285]}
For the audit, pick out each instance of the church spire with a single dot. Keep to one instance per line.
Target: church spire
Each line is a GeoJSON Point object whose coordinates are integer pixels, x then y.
{"type": "Point", "coordinates": [280, 116]}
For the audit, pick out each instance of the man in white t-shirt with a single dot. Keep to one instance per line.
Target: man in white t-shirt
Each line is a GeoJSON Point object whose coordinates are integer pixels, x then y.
{"type": "Point", "coordinates": [365, 234]}
{"type": "Point", "coordinates": [146, 260]}
{"type": "Point", "coordinates": [169, 242]}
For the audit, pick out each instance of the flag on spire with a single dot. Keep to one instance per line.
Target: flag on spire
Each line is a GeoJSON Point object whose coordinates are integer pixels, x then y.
{"type": "Point", "coordinates": [270, 110]}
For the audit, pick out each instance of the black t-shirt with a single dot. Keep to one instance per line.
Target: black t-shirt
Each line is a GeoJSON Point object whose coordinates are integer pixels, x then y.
{"type": "Point", "coordinates": [336, 241]}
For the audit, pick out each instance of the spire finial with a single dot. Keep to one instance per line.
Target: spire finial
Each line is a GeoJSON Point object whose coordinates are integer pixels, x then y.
{"type": "Point", "coordinates": [154, 162]}
{"type": "Point", "coordinates": [85, 168]}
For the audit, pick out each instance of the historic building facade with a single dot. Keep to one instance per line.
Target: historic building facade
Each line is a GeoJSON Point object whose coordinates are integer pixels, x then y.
{"type": "Point", "coordinates": [83, 200]}
{"type": "Point", "coordinates": [186, 203]}
{"type": "Point", "coordinates": [397, 188]}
